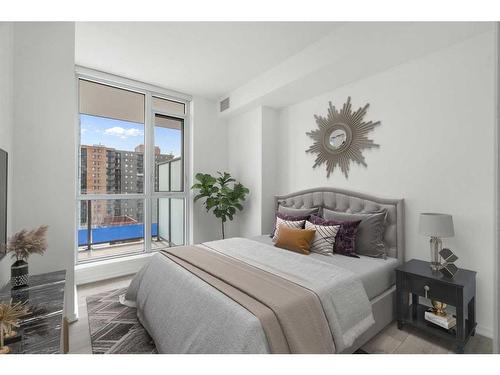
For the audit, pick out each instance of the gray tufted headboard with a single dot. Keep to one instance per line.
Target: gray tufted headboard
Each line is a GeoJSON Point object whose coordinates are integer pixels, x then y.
{"type": "Point", "coordinates": [352, 202]}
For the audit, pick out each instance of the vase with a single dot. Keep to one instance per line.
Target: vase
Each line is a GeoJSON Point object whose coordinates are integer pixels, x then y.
{"type": "Point", "coordinates": [19, 274]}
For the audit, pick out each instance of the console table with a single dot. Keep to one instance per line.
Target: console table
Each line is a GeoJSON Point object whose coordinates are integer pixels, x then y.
{"type": "Point", "coordinates": [43, 330]}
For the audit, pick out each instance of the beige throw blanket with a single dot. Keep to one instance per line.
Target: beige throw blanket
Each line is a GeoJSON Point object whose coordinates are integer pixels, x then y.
{"type": "Point", "coordinates": [291, 316]}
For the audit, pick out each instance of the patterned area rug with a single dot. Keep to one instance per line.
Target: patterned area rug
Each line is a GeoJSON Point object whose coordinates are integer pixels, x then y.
{"type": "Point", "coordinates": [114, 328]}
{"type": "Point", "coordinates": [360, 351]}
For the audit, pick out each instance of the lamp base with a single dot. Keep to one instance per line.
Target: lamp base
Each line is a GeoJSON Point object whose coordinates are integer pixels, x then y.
{"type": "Point", "coordinates": [435, 267]}
{"type": "Point", "coordinates": [435, 246]}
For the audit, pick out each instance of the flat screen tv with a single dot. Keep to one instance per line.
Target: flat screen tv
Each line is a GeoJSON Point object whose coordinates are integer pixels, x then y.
{"type": "Point", "coordinates": [3, 200]}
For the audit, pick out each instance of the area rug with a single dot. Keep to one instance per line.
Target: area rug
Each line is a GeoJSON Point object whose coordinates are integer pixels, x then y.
{"type": "Point", "coordinates": [114, 328]}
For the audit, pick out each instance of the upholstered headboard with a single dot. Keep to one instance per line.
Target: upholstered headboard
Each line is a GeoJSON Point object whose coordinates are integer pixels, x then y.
{"type": "Point", "coordinates": [352, 202]}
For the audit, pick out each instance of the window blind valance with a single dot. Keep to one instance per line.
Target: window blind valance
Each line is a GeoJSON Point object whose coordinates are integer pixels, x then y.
{"type": "Point", "coordinates": [101, 100]}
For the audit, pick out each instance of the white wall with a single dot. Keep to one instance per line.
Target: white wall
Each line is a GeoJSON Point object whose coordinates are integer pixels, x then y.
{"type": "Point", "coordinates": [271, 139]}
{"type": "Point", "coordinates": [6, 126]}
{"type": "Point", "coordinates": [245, 165]}
{"type": "Point", "coordinates": [496, 326]}
{"type": "Point", "coordinates": [44, 140]}
{"type": "Point", "coordinates": [252, 143]}
{"type": "Point", "coordinates": [208, 155]}
{"type": "Point", "coordinates": [437, 150]}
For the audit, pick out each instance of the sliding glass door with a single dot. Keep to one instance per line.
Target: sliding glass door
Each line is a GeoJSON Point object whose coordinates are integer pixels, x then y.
{"type": "Point", "coordinates": [168, 204]}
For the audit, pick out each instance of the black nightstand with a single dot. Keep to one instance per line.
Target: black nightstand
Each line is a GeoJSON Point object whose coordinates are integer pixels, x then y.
{"type": "Point", "coordinates": [416, 278]}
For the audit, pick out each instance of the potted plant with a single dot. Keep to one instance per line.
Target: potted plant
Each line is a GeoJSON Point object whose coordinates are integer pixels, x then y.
{"type": "Point", "coordinates": [221, 196]}
{"type": "Point", "coordinates": [22, 245]}
{"type": "Point", "coordinates": [9, 318]}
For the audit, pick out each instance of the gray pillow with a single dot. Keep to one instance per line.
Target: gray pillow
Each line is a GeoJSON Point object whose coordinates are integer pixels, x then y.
{"type": "Point", "coordinates": [370, 233]}
{"type": "Point", "coordinates": [290, 211]}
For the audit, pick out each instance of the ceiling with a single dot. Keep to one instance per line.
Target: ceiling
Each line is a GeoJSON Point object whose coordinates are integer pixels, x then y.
{"type": "Point", "coordinates": [197, 58]}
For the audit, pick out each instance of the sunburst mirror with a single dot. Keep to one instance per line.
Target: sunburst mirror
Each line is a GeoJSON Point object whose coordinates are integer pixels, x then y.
{"type": "Point", "coordinates": [340, 138]}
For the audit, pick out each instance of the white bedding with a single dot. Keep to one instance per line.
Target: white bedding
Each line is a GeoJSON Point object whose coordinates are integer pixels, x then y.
{"type": "Point", "coordinates": [376, 274]}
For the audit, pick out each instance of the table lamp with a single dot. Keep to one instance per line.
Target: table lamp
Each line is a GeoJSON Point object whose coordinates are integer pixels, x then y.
{"type": "Point", "coordinates": [436, 226]}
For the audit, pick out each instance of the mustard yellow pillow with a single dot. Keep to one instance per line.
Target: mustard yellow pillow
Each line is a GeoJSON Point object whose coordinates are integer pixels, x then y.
{"type": "Point", "coordinates": [298, 240]}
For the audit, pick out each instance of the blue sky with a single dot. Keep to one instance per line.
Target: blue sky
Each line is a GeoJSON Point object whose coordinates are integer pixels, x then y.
{"type": "Point", "coordinates": [125, 135]}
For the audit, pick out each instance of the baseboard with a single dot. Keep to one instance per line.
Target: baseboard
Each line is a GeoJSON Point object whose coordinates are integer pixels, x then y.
{"type": "Point", "coordinates": [108, 269]}
{"type": "Point", "coordinates": [484, 331]}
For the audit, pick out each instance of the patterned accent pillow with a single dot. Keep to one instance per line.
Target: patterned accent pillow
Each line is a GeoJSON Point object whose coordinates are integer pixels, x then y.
{"type": "Point", "coordinates": [297, 224]}
{"type": "Point", "coordinates": [345, 240]}
{"type": "Point", "coordinates": [324, 238]}
{"type": "Point", "coordinates": [287, 217]}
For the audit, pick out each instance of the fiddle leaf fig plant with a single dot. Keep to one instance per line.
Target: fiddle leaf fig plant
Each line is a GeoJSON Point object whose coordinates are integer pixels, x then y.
{"type": "Point", "coordinates": [223, 195]}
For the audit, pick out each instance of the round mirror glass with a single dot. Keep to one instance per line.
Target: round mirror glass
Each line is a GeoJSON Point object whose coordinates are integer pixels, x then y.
{"type": "Point", "coordinates": [337, 138]}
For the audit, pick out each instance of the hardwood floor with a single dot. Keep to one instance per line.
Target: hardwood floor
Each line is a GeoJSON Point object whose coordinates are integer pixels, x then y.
{"type": "Point", "coordinates": [390, 341]}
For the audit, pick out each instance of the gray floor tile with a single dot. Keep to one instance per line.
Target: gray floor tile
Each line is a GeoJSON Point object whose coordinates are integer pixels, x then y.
{"type": "Point", "coordinates": [382, 344]}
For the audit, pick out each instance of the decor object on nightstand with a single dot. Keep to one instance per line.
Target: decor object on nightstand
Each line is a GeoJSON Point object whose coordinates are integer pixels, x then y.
{"type": "Point", "coordinates": [440, 317]}
{"type": "Point", "coordinates": [341, 137]}
{"type": "Point", "coordinates": [436, 226]}
{"type": "Point", "coordinates": [22, 245]}
{"type": "Point", "coordinates": [439, 308]}
{"type": "Point", "coordinates": [9, 318]}
{"type": "Point", "coordinates": [448, 267]}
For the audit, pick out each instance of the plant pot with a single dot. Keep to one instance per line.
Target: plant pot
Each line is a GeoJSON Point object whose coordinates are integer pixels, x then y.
{"type": "Point", "coordinates": [19, 274]}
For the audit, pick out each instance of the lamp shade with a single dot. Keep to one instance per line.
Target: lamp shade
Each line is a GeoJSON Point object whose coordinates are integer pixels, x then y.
{"type": "Point", "coordinates": [436, 225]}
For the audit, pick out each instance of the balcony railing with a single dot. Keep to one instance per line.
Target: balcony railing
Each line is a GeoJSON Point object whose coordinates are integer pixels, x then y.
{"type": "Point", "coordinates": [113, 234]}
{"type": "Point", "coordinates": [109, 235]}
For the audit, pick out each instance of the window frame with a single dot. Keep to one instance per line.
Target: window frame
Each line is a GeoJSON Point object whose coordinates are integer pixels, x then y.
{"type": "Point", "coordinates": [149, 91]}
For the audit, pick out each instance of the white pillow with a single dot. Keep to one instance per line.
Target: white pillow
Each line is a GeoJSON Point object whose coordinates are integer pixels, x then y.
{"type": "Point", "coordinates": [324, 238]}
{"type": "Point", "coordinates": [287, 223]}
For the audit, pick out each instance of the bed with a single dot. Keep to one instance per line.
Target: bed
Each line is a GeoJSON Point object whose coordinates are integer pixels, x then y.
{"type": "Point", "coordinates": [247, 296]}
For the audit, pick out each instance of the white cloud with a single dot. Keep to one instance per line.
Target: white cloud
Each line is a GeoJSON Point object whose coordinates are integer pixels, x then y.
{"type": "Point", "coordinates": [118, 131]}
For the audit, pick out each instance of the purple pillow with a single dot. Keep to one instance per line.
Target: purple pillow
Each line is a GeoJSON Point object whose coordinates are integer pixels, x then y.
{"type": "Point", "coordinates": [345, 240]}
{"type": "Point", "coordinates": [288, 218]}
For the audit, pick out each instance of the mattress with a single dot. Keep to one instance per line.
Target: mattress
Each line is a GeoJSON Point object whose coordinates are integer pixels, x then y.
{"type": "Point", "coordinates": [376, 274]}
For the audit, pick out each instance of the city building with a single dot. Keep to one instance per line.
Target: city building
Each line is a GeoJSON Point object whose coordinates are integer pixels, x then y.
{"type": "Point", "coordinates": [106, 170]}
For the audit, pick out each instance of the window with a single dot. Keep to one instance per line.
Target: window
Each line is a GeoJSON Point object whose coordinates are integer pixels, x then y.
{"type": "Point", "coordinates": [134, 199]}
{"type": "Point", "coordinates": [168, 135]}
{"type": "Point", "coordinates": [167, 229]}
